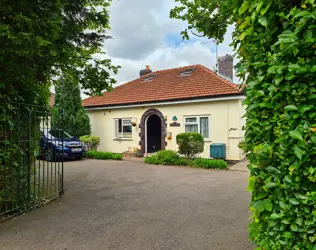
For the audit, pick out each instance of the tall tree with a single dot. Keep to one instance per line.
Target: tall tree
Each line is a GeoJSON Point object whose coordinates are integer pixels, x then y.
{"type": "Point", "coordinates": [40, 39]}
{"type": "Point", "coordinates": [68, 101]}
{"type": "Point", "coordinates": [275, 41]}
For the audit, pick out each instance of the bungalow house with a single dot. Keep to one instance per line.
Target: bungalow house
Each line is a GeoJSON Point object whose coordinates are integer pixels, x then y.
{"type": "Point", "coordinates": [151, 110]}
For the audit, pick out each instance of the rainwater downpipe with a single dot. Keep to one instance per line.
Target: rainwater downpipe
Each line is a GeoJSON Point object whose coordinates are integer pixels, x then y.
{"type": "Point", "coordinates": [227, 111]}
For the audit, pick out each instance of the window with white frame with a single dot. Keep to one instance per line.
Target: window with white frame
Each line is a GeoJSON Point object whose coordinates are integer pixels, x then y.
{"type": "Point", "coordinates": [123, 128]}
{"type": "Point", "coordinates": [198, 124]}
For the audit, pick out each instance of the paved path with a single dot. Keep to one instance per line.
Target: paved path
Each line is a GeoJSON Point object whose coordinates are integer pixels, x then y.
{"type": "Point", "coordinates": [240, 166]}
{"type": "Point", "coordinates": [130, 205]}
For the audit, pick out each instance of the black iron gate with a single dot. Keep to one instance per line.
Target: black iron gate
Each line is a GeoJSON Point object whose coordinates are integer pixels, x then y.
{"type": "Point", "coordinates": [27, 177]}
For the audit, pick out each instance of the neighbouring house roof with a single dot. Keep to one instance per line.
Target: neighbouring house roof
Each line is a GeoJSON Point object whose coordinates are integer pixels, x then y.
{"type": "Point", "coordinates": [52, 99]}
{"type": "Point", "coordinates": [167, 85]}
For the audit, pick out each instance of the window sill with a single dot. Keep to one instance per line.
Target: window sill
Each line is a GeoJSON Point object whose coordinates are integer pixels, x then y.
{"type": "Point", "coordinates": [207, 140]}
{"type": "Point", "coordinates": [123, 139]}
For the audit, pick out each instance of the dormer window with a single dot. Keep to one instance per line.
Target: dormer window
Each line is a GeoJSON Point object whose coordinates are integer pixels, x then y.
{"type": "Point", "coordinates": [187, 72]}
{"type": "Point", "coordinates": [149, 78]}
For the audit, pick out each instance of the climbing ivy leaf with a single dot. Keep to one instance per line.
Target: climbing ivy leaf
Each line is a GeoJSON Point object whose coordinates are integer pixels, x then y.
{"type": "Point", "coordinates": [271, 185]}
{"type": "Point", "coordinates": [282, 205]}
{"type": "Point", "coordinates": [251, 183]}
{"type": "Point", "coordinates": [272, 169]}
{"type": "Point", "coordinates": [305, 108]}
{"type": "Point", "coordinates": [288, 178]}
{"type": "Point", "coordinates": [294, 201]}
{"type": "Point", "coordinates": [303, 14]}
{"type": "Point", "coordinates": [294, 227]}
{"type": "Point", "coordinates": [263, 11]}
{"type": "Point", "coordinates": [294, 67]}
{"type": "Point", "coordinates": [291, 108]}
{"type": "Point", "coordinates": [308, 36]}
{"type": "Point", "coordinates": [244, 34]}
{"type": "Point", "coordinates": [298, 152]}
{"type": "Point", "coordinates": [267, 205]}
{"type": "Point", "coordinates": [275, 216]}
{"type": "Point", "coordinates": [243, 7]}
{"type": "Point", "coordinates": [296, 135]}
{"type": "Point", "coordinates": [263, 21]}
{"type": "Point", "coordinates": [313, 69]}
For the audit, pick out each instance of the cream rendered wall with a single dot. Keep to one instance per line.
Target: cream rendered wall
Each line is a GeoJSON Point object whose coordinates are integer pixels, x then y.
{"type": "Point", "coordinates": [225, 123]}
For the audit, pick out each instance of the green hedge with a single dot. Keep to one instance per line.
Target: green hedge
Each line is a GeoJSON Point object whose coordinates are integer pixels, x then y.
{"type": "Point", "coordinates": [275, 43]}
{"type": "Point", "coordinates": [104, 155]}
{"type": "Point", "coordinates": [208, 163]}
{"type": "Point", "coordinates": [169, 157]}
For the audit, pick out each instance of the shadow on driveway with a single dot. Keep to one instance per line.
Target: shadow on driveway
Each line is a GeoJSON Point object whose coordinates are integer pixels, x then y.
{"type": "Point", "coordinates": [130, 205]}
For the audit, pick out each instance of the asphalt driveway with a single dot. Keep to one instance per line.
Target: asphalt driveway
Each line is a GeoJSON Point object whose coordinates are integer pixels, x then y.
{"type": "Point", "coordinates": [130, 205]}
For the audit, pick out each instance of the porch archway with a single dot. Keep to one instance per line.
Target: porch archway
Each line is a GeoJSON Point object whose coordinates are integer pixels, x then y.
{"type": "Point", "coordinates": [152, 131]}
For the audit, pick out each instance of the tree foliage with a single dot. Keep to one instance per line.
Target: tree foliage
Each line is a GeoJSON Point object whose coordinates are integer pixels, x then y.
{"type": "Point", "coordinates": [207, 18]}
{"type": "Point", "coordinates": [276, 42]}
{"type": "Point", "coordinates": [41, 39]}
{"type": "Point", "coordinates": [68, 109]}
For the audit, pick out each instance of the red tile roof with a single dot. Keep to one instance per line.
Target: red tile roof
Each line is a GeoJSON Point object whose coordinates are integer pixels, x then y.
{"type": "Point", "coordinates": [167, 85]}
{"type": "Point", "coordinates": [52, 99]}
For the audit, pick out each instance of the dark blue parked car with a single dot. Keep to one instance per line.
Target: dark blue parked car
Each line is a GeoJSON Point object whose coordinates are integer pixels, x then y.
{"type": "Point", "coordinates": [56, 144]}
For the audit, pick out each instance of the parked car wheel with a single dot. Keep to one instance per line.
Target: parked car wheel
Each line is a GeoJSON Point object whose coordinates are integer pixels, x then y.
{"type": "Point", "coordinates": [49, 154]}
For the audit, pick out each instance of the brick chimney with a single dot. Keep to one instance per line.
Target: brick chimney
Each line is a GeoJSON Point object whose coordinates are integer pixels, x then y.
{"type": "Point", "coordinates": [145, 71]}
{"type": "Point", "coordinates": [225, 66]}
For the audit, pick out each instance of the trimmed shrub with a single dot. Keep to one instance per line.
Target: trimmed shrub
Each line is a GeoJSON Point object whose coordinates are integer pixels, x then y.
{"type": "Point", "coordinates": [208, 163]}
{"type": "Point", "coordinates": [91, 142]}
{"type": "Point", "coordinates": [103, 155]}
{"type": "Point", "coordinates": [190, 144]}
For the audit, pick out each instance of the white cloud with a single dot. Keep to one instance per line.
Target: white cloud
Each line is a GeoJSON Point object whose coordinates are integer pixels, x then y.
{"type": "Point", "coordinates": [164, 58]}
{"type": "Point", "coordinates": [140, 29]}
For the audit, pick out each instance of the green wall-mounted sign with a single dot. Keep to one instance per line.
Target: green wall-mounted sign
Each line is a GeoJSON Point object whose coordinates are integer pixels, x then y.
{"type": "Point", "coordinates": [174, 118]}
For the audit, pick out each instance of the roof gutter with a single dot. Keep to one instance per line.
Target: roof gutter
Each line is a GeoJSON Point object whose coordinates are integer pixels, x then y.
{"type": "Point", "coordinates": [225, 98]}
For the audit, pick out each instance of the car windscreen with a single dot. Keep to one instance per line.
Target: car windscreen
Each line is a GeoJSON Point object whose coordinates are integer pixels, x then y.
{"type": "Point", "coordinates": [58, 133]}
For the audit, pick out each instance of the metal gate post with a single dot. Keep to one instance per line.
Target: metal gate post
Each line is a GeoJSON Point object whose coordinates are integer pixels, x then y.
{"type": "Point", "coordinates": [62, 160]}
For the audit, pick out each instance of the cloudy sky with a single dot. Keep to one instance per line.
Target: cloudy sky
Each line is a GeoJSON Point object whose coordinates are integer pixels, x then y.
{"type": "Point", "coordinates": [144, 34]}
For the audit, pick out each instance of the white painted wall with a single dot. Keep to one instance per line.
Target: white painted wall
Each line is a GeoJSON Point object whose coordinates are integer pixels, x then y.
{"type": "Point", "coordinates": [225, 123]}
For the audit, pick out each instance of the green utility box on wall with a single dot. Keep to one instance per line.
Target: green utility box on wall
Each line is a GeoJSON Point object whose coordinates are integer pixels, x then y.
{"type": "Point", "coordinates": [218, 150]}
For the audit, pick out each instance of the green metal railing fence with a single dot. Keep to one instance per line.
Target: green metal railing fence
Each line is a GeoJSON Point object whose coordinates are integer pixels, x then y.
{"type": "Point", "coordinates": [27, 180]}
